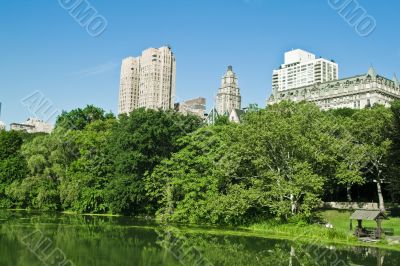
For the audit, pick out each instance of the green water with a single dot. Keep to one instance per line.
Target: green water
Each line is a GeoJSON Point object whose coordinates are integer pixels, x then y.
{"type": "Point", "coordinates": [55, 239]}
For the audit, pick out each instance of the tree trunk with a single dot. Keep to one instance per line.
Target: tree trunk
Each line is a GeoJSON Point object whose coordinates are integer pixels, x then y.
{"type": "Point", "coordinates": [349, 199]}
{"type": "Point", "coordinates": [292, 255]}
{"type": "Point", "coordinates": [294, 204]}
{"type": "Point", "coordinates": [170, 198]}
{"type": "Point", "coordinates": [380, 196]}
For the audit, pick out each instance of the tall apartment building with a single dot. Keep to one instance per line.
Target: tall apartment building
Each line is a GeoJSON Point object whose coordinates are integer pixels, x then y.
{"type": "Point", "coordinates": [228, 97]}
{"type": "Point", "coordinates": [355, 92]}
{"type": "Point", "coordinates": [129, 85]}
{"type": "Point", "coordinates": [302, 68]}
{"type": "Point", "coordinates": [148, 81]}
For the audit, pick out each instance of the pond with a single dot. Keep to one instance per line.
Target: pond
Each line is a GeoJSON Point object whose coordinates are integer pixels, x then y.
{"type": "Point", "coordinates": [32, 239]}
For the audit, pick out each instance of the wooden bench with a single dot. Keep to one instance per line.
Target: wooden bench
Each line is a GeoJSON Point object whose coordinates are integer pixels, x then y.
{"type": "Point", "coordinates": [387, 231]}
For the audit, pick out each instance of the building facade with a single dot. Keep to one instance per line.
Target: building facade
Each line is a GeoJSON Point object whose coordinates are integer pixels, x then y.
{"type": "Point", "coordinates": [129, 85]}
{"type": "Point", "coordinates": [302, 68]}
{"type": "Point", "coordinates": [148, 81]}
{"type": "Point", "coordinates": [2, 124]}
{"type": "Point", "coordinates": [22, 127]}
{"type": "Point", "coordinates": [212, 116]}
{"type": "Point", "coordinates": [354, 92]}
{"type": "Point", "coordinates": [33, 125]}
{"type": "Point", "coordinates": [228, 97]}
{"type": "Point", "coordinates": [235, 116]}
{"type": "Point", "coordinates": [194, 107]}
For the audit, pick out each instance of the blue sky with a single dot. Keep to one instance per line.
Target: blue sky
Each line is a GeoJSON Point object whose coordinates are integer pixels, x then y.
{"type": "Point", "coordinates": [44, 49]}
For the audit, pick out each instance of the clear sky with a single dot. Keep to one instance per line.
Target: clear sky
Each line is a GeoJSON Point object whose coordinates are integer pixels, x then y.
{"type": "Point", "coordinates": [44, 49]}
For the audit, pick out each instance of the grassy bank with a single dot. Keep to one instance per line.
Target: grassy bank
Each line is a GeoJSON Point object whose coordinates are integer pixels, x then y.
{"type": "Point", "coordinates": [340, 234]}
{"type": "Point", "coordinates": [340, 221]}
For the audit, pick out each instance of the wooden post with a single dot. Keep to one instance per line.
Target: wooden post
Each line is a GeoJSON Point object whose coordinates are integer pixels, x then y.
{"type": "Point", "coordinates": [379, 228]}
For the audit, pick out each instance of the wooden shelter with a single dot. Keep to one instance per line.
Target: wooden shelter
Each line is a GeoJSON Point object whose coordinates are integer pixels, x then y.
{"type": "Point", "coordinates": [368, 215]}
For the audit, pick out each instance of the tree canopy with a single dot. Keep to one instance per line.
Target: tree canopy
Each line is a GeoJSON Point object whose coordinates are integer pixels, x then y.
{"type": "Point", "coordinates": [280, 163]}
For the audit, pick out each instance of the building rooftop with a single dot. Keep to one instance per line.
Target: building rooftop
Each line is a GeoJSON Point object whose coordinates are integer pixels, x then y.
{"type": "Point", "coordinates": [22, 124]}
{"type": "Point", "coordinates": [371, 72]}
{"type": "Point", "coordinates": [367, 215]}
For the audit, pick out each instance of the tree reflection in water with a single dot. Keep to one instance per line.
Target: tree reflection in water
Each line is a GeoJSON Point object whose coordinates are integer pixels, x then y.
{"type": "Point", "coordinates": [118, 241]}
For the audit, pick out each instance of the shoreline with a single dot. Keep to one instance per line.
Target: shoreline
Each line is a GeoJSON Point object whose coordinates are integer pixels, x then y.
{"type": "Point", "coordinates": [312, 239]}
{"type": "Point", "coordinates": [304, 234]}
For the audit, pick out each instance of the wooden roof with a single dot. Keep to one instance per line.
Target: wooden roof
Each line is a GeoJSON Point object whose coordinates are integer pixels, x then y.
{"type": "Point", "coordinates": [367, 215]}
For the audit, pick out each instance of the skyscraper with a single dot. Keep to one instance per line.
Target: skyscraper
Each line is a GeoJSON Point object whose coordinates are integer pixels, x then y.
{"type": "Point", "coordinates": [302, 68]}
{"type": "Point", "coordinates": [148, 81]}
{"type": "Point", "coordinates": [228, 97]}
{"type": "Point", "coordinates": [129, 85]}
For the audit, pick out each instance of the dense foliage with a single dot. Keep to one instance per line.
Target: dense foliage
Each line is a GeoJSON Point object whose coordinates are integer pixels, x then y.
{"type": "Point", "coordinates": [281, 163]}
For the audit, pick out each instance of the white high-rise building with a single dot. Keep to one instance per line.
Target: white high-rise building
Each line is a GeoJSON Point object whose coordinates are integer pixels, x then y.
{"type": "Point", "coordinates": [228, 97]}
{"type": "Point", "coordinates": [302, 68]}
{"type": "Point", "coordinates": [148, 81]}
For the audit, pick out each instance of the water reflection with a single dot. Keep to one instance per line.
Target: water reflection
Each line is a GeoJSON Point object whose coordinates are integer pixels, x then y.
{"type": "Point", "coordinates": [86, 240]}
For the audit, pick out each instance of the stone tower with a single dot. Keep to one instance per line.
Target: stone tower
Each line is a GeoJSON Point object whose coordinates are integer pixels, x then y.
{"type": "Point", "coordinates": [228, 97]}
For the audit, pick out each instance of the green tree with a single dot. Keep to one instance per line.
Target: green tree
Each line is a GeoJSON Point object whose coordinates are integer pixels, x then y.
{"type": "Point", "coordinates": [186, 186]}
{"type": "Point", "coordinates": [137, 144]}
{"type": "Point", "coordinates": [291, 146]}
{"type": "Point", "coordinates": [78, 119]}
{"type": "Point", "coordinates": [13, 166]}
{"type": "Point", "coordinates": [394, 160]}
{"type": "Point", "coordinates": [222, 120]}
{"type": "Point", "coordinates": [272, 164]}
{"type": "Point", "coordinates": [46, 164]}
{"type": "Point", "coordinates": [351, 155]}
{"type": "Point", "coordinates": [58, 161]}
{"type": "Point", "coordinates": [373, 128]}
{"type": "Point", "coordinates": [83, 188]}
